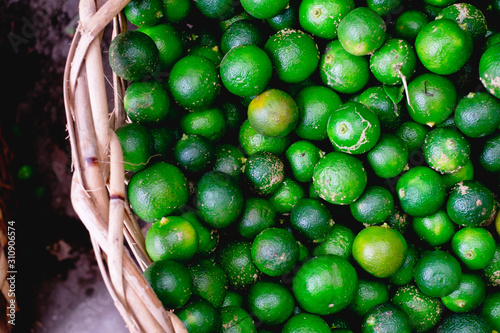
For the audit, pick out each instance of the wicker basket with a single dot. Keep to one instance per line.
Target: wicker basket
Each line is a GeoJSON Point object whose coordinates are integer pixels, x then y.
{"type": "Point", "coordinates": [98, 185]}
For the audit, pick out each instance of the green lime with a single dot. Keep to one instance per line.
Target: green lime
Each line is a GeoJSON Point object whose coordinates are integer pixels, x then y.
{"type": "Point", "coordinates": [462, 323]}
{"type": "Point", "coordinates": [270, 302]}
{"type": "Point", "coordinates": [170, 281]}
{"type": "Point", "coordinates": [137, 145]}
{"type": "Point", "coordinates": [464, 173]}
{"type": "Point", "coordinates": [469, 294]}
{"type": "Point", "coordinates": [443, 47]}
{"type": "Point", "coordinates": [235, 319]}
{"type": "Point", "coordinates": [219, 199]}
{"type": "Point", "coordinates": [394, 60]}
{"type": "Point", "coordinates": [210, 123]}
{"type": "Point", "coordinates": [385, 107]}
{"type": "Point", "coordinates": [176, 10]}
{"type": "Point", "coordinates": [353, 128]}
{"type": "Point", "coordinates": [311, 219]}
{"type": "Point", "coordinates": [253, 142]}
{"type": "Point", "coordinates": [235, 258]}
{"type": "Point", "coordinates": [369, 294]}
{"type": "Point", "coordinates": [490, 154]}
{"type": "Point", "coordinates": [469, 18]}
{"type": "Point", "coordinates": [477, 114]}
{"type": "Point", "coordinates": [437, 273]}
{"type": "Point", "coordinates": [286, 19]}
{"type": "Point", "coordinates": [491, 273]}
{"type": "Point", "coordinates": [232, 298]}
{"type": "Point", "coordinates": [409, 24]}
{"type": "Point", "coordinates": [133, 55]}
{"type": "Point", "coordinates": [302, 156]}
{"type": "Point", "coordinates": [432, 99]}
{"type": "Point", "coordinates": [325, 284]}
{"type": "Point", "coordinates": [404, 275]}
{"type": "Point", "coordinates": [194, 82]}
{"type": "Point", "coordinates": [306, 322]}
{"type": "Point", "coordinates": [421, 191]}
{"type": "Point", "coordinates": [200, 317]}
{"type": "Point", "coordinates": [207, 238]}
{"type": "Point", "coordinates": [168, 42]}
{"type": "Point", "coordinates": [381, 251]}
{"type": "Point", "coordinates": [474, 246]}
{"type": "Point", "coordinates": [258, 214]}
{"type": "Point", "coordinates": [163, 140]}
{"type": "Point", "coordinates": [209, 281]}
{"type": "Point", "coordinates": [489, 310]}
{"type": "Point", "coordinates": [273, 113]}
{"type": "Point", "coordinates": [157, 191]}
{"type": "Point", "coordinates": [219, 10]}
{"type": "Point", "coordinates": [389, 157]}
{"type": "Point", "coordinates": [262, 9]}
{"type": "Point", "coordinates": [294, 54]}
{"type": "Point", "coordinates": [209, 52]}
{"type": "Point", "coordinates": [470, 204]}
{"type": "Point", "coordinates": [275, 251]}
{"type": "Point", "coordinates": [322, 17]}
{"type": "Point", "coordinates": [338, 242]}
{"type": "Point", "coordinates": [374, 206]}
{"type": "Point", "coordinates": [142, 13]}
{"type": "Point", "coordinates": [342, 71]}
{"type": "Point", "coordinates": [386, 317]}
{"type": "Point", "coordinates": [173, 237]}
{"type": "Point", "coordinates": [413, 134]}
{"type": "Point", "coordinates": [339, 178]}
{"type": "Point", "coordinates": [287, 196]}
{"type": "Point", "coordinates": [361, 31]}
{"type": "Point", "coordinates": [245, 70]}
{"type": "Point", "coordinates": [194, 153]}
{"type": "Point", "coordinates": [146, 102]}
{"type": "Point", "coordinates": [424, 312]}
{"type": "Point", "coordinates": [229, 159]}
{"type": "Point", "coordinates": [264, 172]}
{"type": "Point", "coordinates": [242, 32]}
{"type": "Point", "coordinates": [436, 229]}
{"type": "Point", "coordinates": [316, 104]}
{"type": "Point", "coordinates": [446, 150]}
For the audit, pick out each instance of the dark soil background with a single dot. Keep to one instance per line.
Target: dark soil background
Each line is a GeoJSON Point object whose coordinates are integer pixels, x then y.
{"type": "Point", "coordinates": [58, 285]}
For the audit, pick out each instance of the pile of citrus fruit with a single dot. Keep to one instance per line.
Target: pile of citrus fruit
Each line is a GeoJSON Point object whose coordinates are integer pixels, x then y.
{"type": "Point", "coordinates": [316, 165]}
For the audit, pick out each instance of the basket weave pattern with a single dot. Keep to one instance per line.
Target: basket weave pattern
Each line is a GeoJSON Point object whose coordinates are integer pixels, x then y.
{"type": "Point", "coordinates": [98, 185]}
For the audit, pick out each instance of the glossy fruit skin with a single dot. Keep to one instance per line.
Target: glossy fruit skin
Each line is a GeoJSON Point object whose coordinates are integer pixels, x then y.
{"type": "Point", "coordinates": [236, 319]}
{"type": "Point", "coordinates": [176, 10]}
{"type": "Point", "coordinates": [258, 215]}
{"type": "Point", "coordinates": [469, 18]}
{"type": "Point", "coordinates": [446, 150]}
{"type": "Point", "coordinates": [353, 128]}
{"type": "Point", "coordinates": [146, 102]}
{"type": "Point", "coordinates": [194, 153]}
{"type": "Point", "coordinates": [395, 59]}
{"type": "Point", "coordinates": [311, 219]}
{"type": "Point", "coordinates": [490, 154]}
{"type": "Point", "coordinates": [168, 43]}
{"type": "Point", "coordinates": [253, 142]}
{"type": "Point", "coordinates": [443, 47]}
{"type": "Point", "coordinates": [409, 23]}
{"type": "Point", "coordinates": [369, 294]}
{"type": "Point", "coordinates": [462, 174]}
{"type": "Point", "coordinates": [210, 123]}
{"type": "Point", "coordinates": [432, 99]}
{"type": "Point", "coordinates": [302, 156]}
{"type": "Point", "coordinates": [438, 273]}
{"type": "Point", "coordinates": [270, 302]}
{"type": "Point", "coordinates": [236, 260]}
{"type": "Point", "coordinates": [241, 32]}
{"type": "Point", "coordinates": [342, 71]}
{"type": "Point", "coordinates": [421, 191]}
{"type": "Point", "coordinates": [306, 322]}
{"type": "Point", "coordinates": [413, 134]}
{"type": "Point", "coordinates": [137, 145]}
{"type": "Point", "coordinates": [325, 284]}
{"type": "Point", "coordinates": [209, 280]}
{"type": "Point", "coordinates": [246, 70]}
{"type": "Point", "coordinates": [194, 82]}
{"type": "Point", "coordinates": [275, 251]}
{"type": "Point", "coordinates": [200, 317]}
{"type": "Point", "coordinates": [229, 159]}
{"type": "Point", "coordinates": [489, 70]}
{"type": "Point", "coordinates": [424, 312]}
{"type": "Point", "coordinates": [262, 9]}
{"type": "Point", "coordinates": [374, 206]}
{"type": "Point", "coordinates": [287, 196]}
{"type": "Point", "coordinates": [219, 199]}
{"type": "Point", "coordinates": [389, 157]}
{"type": "Point", "coordinates": [477, 114]}
{"type": "Point", "coordinates": [144, 14]}
{"type": "Point", "coordinates": [374, 247]}
{"type": "Point", "coordinates": [361, 31]}
{"type": "Point", "coordinates": [489, 310]}
{"type": "Point", "coordinates": [468, 296]}
{"type": "Point", "coordinates": [435, 229]}
{"type": "Point", "coordinates": [387, 316]}
{"type": "Point", "coordinates": [338, 242]}
{"type": "Point", "coordinates": [133, 55]}
{"type": "Point", "coordinates": [475, 247]}
{"type": "Point", "coordinates": [462, 205]}
{"type": "Point", "coordinates": [218, 10]}
{"type": "Point", "coordinates": [321, 18]}
{"type": "Point", "coordinates": [264, 172]}
{"type": "Point", "coordinates": [173, 237]}
{"type": "Point", "coordinates": [288, 50]}
{"type": "Point", "coordinates": [170, 281]}
{"type": "Point", "coordinates": [157, 191]}
{"type": "Point", "coordinates": [404, 275]}
{"type": "Point", "coordinates": [462, 323]}
{"type": "Point", "coordinates": [339, 178]}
